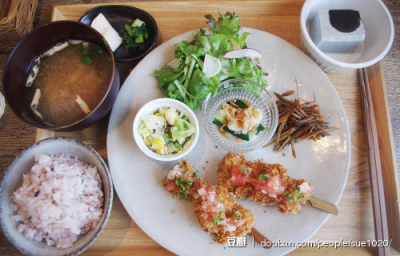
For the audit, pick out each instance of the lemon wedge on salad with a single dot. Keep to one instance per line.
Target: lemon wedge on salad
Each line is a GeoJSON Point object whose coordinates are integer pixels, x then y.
{"type": "Point", "coordinates": [212, 66]}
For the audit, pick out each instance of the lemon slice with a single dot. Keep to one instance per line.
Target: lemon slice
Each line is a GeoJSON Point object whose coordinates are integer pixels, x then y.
{"type": "Point", "coordinates": [211, 66]}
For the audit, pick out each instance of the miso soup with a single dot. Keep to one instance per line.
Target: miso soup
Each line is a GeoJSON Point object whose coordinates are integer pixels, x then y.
{"type": "Point", "coordinates": [67, 85]}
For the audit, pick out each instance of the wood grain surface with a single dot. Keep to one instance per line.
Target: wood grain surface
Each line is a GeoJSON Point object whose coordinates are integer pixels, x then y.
{"type": "Point", "coordinates": [122, 236]}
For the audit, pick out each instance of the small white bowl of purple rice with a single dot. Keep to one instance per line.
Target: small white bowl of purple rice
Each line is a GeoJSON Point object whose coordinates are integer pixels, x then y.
{"type": "Point", "coordinates": [55, 198]}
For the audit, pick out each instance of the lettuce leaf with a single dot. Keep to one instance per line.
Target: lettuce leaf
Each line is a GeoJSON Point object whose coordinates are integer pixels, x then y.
{"type": "Point", "coordinates": [187, 82]}
{"type": "Point", "coordinates": [228, 25]}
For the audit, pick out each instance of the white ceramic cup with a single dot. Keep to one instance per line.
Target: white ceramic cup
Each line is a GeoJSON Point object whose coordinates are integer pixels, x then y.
{"type": "Point", "coordinates": [379, 34]}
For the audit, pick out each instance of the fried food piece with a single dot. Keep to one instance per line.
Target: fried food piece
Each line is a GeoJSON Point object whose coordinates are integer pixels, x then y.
{"type": "Point", "coordinates": [216, 209]}
{"type": "Point", "coordinates": [181, 180]}
{"type": "Point", "coordinates": [265, 184]}
{"type": "Point", "coordinates": [227, 219]}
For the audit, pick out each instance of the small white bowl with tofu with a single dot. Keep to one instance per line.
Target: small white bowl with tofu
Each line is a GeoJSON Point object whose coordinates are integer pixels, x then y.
{"type": "Point", "coordinates": [345, 34]}
{"type": "Point", "coordinates": [165, 129]}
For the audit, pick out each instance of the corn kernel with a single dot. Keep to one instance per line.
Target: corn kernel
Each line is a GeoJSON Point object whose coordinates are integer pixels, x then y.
{"type": "Point", "coordinates": [158, 144]}
{"type": "Point", "coordinates": [147, 142]}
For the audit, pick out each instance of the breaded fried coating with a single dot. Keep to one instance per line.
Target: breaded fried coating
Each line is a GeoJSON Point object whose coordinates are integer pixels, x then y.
{"type": "Point", "coordinates": [230, 207]}
{"type": "Point", "coordinates": [181, 180]}
{"type": "Point", "coordinates": [216, 209]}
{"type": "Point", "coordinates": [265, 184]}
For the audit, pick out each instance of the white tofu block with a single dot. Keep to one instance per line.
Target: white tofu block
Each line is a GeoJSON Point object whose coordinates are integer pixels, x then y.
{"type": "Point", "coordinates": [112, 37]}
{"type": "Point", "coordinates": [329, 39]}
{"type": "Point", "coordinates": [101, 24]}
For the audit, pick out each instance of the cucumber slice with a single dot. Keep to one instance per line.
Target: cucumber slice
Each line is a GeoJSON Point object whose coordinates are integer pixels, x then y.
{"type": "Point", "coordinates": [137, 23]}
{"type": "Point", "coordinates": [139, 39]}
{"type": "Point", "coordinates": [219, 117]}
{"type": "Point", "coordinates": [242, 136]}
{"type": "Point", "coordinates": [259, 129]}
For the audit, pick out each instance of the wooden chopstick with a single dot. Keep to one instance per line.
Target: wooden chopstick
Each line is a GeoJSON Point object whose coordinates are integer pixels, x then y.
{"type": "Point", "coordinates": [378, 198]}
{"type": "Point", "coordinates": [260, 238]}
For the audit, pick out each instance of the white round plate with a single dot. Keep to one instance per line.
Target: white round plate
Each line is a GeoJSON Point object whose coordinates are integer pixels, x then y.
{"type": "Point", "coordinates": [170, 221]}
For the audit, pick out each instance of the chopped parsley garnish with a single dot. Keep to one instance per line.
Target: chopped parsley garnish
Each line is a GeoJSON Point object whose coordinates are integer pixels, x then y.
{"type": "Point", "coordinates": [242, 170]}
{"type": "Point", "coordinates": [215, 221]}
{"type": "Point", "coordinates": [237, 216]}
{"type": "Point", "coordinates": [297, 194]}
{"type": "Point", "coordinates": [262, 177]}
{"type": "Point", "coordinates": [212, 188]}
{"type": "Point", "coordinates": [183, 185]}
{"type": "Point", "coordinates": [88, 55]}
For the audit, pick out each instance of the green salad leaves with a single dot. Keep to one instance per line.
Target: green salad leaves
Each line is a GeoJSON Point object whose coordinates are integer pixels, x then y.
{"type": "Point", "coordinates": [188, 83]}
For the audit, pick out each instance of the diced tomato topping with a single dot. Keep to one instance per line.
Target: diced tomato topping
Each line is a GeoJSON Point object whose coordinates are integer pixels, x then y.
{"type": "Point", "coordinates": [238, 223]}
{"type": "Point", "coordinates": [240, 175]}
{"type": "Point", "coordinates": [259, 185]}
{"type": "Point", "coordinates": [229, 225]}
{"type": "Point", "coordinates": [204, 215]}
{"type": "Point", "coordinates": [171, 186]}
{"type": "Point", "coordinates": [209, 204]}
{"type": "Point", "coordinates": [271, 186]}
{"type": "Point", "coordinates": [274, 186]}
{"type": "Point", "coordinates": [209, 208]}
{"type": "Point", "coordinates": [185, 177]}
{"type": "Point", "coordinates": [305, 188]}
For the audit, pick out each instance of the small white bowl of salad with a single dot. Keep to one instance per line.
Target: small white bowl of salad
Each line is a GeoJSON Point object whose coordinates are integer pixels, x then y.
{"type": "Point", "coordinates": [165, 129]}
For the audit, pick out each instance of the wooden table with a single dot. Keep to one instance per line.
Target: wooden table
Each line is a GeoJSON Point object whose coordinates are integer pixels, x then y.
{"type": "Point", "coordinates": [121, 235]}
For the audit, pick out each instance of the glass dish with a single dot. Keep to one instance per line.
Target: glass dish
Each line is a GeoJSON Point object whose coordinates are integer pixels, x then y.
{"type": "Point", "coordinates": [247, 91]}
